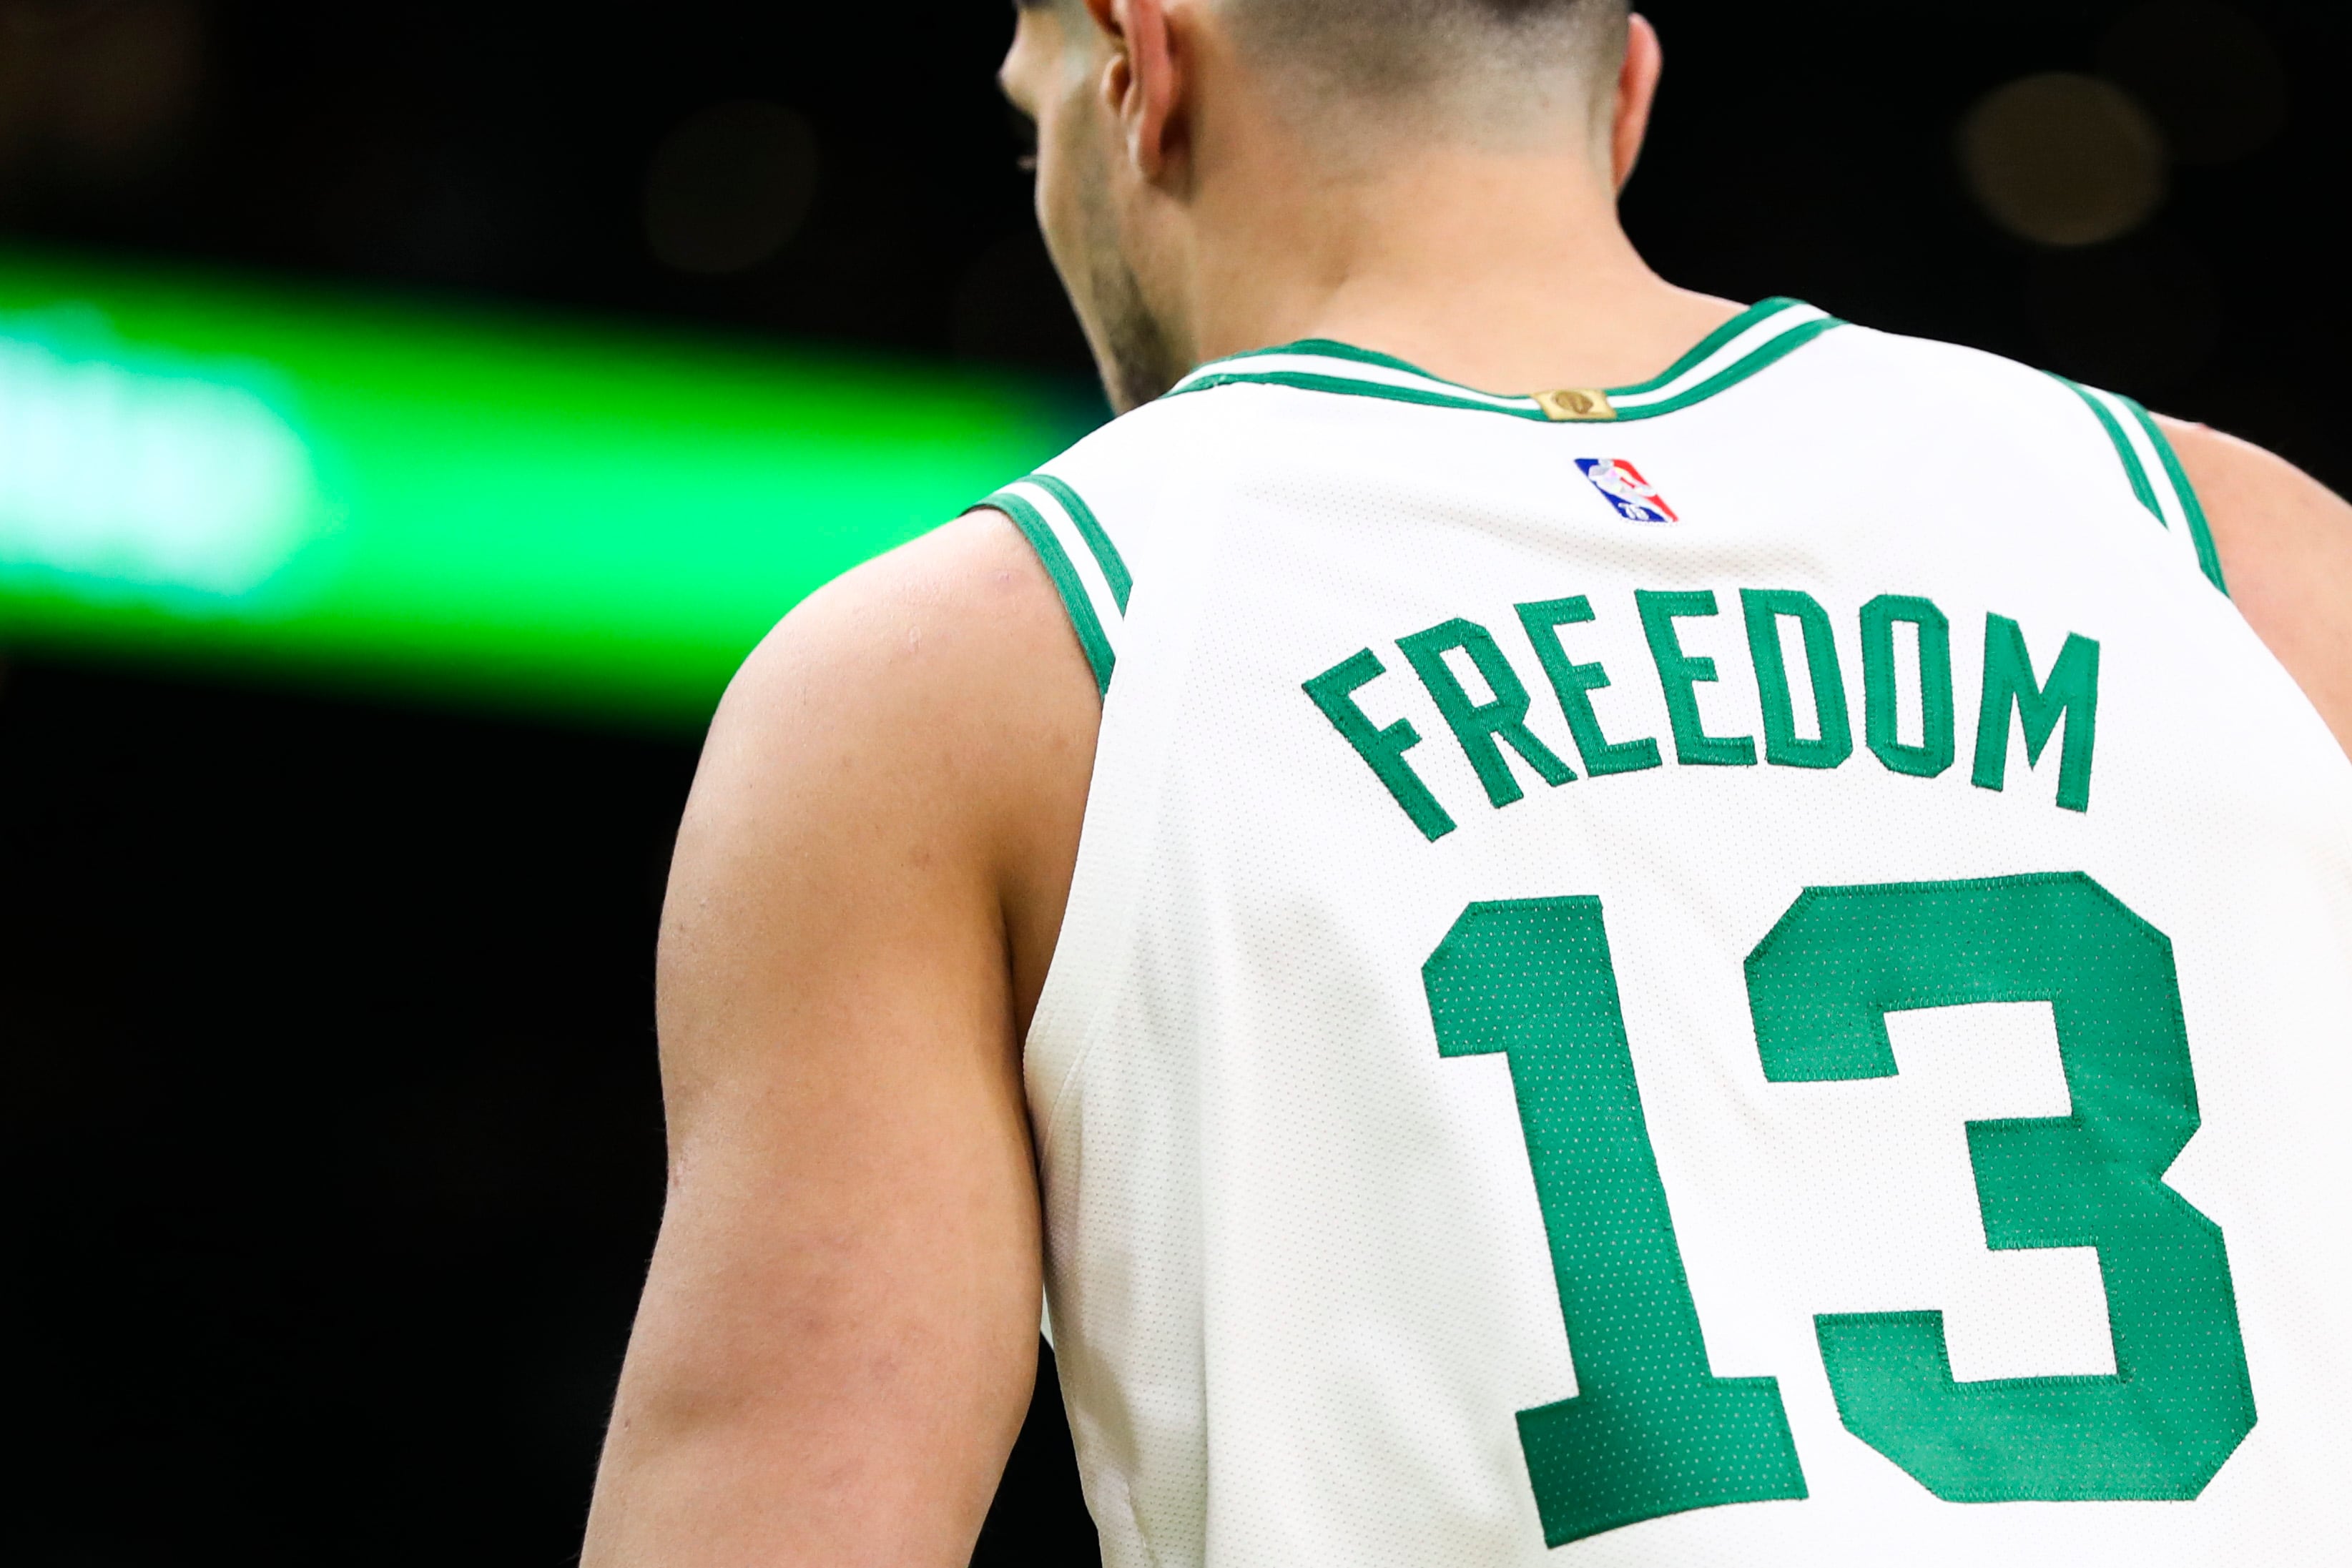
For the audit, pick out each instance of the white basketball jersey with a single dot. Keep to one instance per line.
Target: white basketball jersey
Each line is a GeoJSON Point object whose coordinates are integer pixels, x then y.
{"type": "Point", "coordinates": [1755, 970]}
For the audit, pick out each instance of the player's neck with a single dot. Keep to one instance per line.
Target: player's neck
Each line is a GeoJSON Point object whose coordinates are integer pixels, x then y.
{"type": "Point", "coordinates": [1507, 272]}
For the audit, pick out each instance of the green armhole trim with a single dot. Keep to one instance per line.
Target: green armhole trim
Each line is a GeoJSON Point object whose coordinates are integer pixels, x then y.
{"type": "Point", "coordinates": [1320, 364]}
{"type": "Point", "coordinates": [2207, 557]}
{"type": "Point", "coordinates": [2134, 469]}
{"type": "Point", "coordinates": [1033, 528]}
{"type": "Point", "coordinates": [1090, 529]}
{"type": "Point", "coordinates": [2166, 481]}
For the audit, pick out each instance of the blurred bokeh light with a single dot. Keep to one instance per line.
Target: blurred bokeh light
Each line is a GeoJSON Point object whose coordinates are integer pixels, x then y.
{"type": "Point", "coordinates": [727, 189]}
{"type": "Point", "coordinates": [2064, 159]}
{"type": "Point", "coordinates": [94, 92]}
{"type": "Point", "coordinates": [454, 504]}
{"type": "Point", "coordinates": [2213, 76]}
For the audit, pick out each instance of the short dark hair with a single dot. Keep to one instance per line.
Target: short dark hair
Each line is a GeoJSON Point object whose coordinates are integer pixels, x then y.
{"type": "Point", "coordinates": [1377, 45]}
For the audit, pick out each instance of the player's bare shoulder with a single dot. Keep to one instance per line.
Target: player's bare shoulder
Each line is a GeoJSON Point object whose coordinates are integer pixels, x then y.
{"type": "Point", "coordinates": [2286, 543]}
{"type": "Point", "coordinates": [926, 717]}
{"type": "Point", "coordinates": [960, 630]}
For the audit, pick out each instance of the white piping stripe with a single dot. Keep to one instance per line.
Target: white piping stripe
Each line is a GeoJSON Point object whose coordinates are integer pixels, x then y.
{"type": "Point", "coordinates": [1762, 335]}
{"type": "Point", "coordinates": [1352, 370]}
{"type": "Point", "coordinates": [1082, 558]}
{"type": "Point", "coordinates": [2169, 511]}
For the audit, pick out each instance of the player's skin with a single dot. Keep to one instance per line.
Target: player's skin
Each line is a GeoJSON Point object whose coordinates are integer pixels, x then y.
{"type": "Point", "coordinates": [837, 1341]}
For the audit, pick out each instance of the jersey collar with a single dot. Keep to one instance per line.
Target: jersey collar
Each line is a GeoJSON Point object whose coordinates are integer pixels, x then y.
{"type": "Point", "coordinates": [1734, 352]}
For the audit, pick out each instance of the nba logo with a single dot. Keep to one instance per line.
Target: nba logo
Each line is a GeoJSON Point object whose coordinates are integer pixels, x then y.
{"type": "Point", "coordinates": [1622, 486]}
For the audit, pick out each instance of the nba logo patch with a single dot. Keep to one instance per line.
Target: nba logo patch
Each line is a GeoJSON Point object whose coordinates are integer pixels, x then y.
{"type": "Point", "coordinates": [1622, 486]}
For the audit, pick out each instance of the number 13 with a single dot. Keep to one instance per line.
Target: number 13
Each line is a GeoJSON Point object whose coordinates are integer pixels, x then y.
{"type": "Point", "coordinates": [1651, 1430]}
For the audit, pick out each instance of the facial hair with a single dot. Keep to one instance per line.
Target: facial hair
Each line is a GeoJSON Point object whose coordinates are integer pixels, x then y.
{"type": "Point", "coordinates": [1130, 347]}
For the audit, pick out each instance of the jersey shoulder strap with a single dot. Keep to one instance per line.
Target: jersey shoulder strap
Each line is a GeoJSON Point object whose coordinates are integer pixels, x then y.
{"type": "Point", "coordinates": [1094, 515]}
{"type": "Point", "coordinates": [2021, 408]}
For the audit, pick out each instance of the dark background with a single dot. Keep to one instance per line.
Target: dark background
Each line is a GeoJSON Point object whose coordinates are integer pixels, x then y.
{"type": "Point", "coordinates": [329, 1122]}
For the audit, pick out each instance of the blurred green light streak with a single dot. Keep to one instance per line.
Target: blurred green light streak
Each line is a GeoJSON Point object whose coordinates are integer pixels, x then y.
{"type": "Point", "coordinates": [460, 503]}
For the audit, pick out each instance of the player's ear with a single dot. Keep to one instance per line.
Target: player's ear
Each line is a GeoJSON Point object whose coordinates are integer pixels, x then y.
{"type": "Point", "coordinates": [1637, 89]}
{"type": "Point", "coordinates": [1142, 83]}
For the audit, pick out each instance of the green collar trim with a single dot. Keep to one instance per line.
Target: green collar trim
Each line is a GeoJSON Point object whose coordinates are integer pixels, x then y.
{"type": "Point", "coordinates": [1757, 338]}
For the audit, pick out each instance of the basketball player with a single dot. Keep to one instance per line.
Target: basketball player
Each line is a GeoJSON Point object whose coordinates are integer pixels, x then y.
{"type": "Point", "coordinates": [1570, 923]}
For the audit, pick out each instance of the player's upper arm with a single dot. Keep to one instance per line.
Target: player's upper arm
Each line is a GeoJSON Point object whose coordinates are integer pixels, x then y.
{"type": "Point", "coordinates": [837, 1340]}
{"type": "Point", "coordinates": [2286, 543]}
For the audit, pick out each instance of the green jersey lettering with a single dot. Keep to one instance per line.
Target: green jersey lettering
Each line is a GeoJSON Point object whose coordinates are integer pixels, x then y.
{"type": "Point", "coordinates": [2072, 694]}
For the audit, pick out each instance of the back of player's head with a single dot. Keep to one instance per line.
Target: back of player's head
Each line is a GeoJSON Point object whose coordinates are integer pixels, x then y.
{"type": "Point", "coordinates": [1486, 61]}
{"type": "Point", "coordinates": [1178, 139]}
{"type": "Point", "coordinates": [1489, 59]}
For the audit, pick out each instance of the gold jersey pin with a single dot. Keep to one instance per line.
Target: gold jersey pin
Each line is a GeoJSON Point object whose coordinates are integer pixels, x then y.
{"type": "Point", "coordinates": [1576, 403]}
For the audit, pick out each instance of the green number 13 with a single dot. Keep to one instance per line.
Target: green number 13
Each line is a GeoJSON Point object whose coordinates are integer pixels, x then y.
{"type": "Point", "coordinates": [1651, 1430]}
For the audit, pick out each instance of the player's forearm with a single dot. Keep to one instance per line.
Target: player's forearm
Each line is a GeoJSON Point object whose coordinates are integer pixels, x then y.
{"type": "Point", "coordinates": [706, 1494]}
{"type": "Point", "coordinates": [838, 1337]}
{"type": "Point", "coordinates": [848, 1435]}
{"type": "Point", "coordinates": [707, 1499]}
